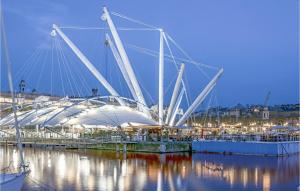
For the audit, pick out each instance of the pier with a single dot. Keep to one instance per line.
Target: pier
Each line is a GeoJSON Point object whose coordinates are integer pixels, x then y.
{"type": "Point", "coordinates": [124, 146]}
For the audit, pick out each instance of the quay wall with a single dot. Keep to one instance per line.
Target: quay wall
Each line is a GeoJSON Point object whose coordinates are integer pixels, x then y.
{"type": "Point", "coordinates": [150, 147]}
{"type": "Point", "coordinates": [247, 147]}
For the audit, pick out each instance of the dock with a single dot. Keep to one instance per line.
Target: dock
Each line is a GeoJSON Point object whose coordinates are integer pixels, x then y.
{"type": "Point", "coordinates": [125, 146]}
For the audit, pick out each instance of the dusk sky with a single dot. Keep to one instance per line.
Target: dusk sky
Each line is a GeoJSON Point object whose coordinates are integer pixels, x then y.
{"type": "Point", "coordinates": [256, 42]}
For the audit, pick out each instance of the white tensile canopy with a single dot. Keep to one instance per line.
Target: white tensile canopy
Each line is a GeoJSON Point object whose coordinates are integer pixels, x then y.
{"type": "Point", "coordinates": [82, 113]}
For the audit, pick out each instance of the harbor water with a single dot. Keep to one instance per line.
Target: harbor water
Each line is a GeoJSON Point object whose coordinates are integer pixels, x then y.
{"type": "Point", "coordinates": [107, 170]}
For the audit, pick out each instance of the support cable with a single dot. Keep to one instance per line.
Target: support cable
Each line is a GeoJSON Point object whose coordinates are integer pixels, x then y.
{"type": "Point", "coordinates": [51, 74]}
{"type": "Point", "coordinates": [69, 70]}
{"type": "Point", "coordinates": [134, 20]}
{"type": "Point", "coordinates": [66, 70]}
{"type": "Point", "coordinates": [42, 71]}
{"type": "Point", "coordinates": [106, 28]}
{"type": "Point", "coordinates": [78, 73]}
{"type": "Point", "coordinates": [59, 68]}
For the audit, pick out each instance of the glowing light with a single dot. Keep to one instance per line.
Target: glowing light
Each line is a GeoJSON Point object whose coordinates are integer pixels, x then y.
{"type": "Point", "coordinates": [266, 181]}
{"type": "Point", "coordinates": [62, 165]}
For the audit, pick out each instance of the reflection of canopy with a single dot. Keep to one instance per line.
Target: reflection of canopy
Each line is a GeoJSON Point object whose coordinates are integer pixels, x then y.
{"type": "Point", "coordinates": [79, 113]}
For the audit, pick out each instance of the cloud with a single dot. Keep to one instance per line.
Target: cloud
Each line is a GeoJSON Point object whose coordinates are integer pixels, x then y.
{"type": "Point", "coordinates": [38, 15]}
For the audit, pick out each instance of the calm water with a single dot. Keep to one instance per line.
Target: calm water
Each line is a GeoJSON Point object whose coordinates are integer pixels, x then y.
{"type": "Point", "coordinates": [99, 170]}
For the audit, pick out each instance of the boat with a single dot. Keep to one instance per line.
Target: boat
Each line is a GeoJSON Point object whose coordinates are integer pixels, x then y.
{"type": "Point", "coordinates": [12, 181]}
{"type": "Point", "coordinates": [9, 180]}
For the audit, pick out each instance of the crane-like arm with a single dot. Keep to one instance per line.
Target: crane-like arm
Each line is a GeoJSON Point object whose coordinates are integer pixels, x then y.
{"type": "Point", "coordinates": [172, 120]}
{"type": "Point", "coordinates": [161, 79]}
{"type": "Point", "coordinates": [106, 17]}
{"type": "Point", "coordinates": [267, 99]}
{"type": "Point", "coordinates": [121, 65]}
{"type": "Point", "coordinates": [200, 98]}
{"type": "Point", "coordinates": [175, 93]}
{"type": "Point", "coordinates": [87, 63]}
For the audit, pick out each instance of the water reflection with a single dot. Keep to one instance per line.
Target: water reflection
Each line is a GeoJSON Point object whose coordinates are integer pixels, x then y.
{"type": "Point", "coordinates": [99, 170]}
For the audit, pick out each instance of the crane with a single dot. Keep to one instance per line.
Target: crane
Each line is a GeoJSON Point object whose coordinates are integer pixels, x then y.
{"type": "Point", "coordinates": [265, 112]}
{"type": "Point", "coordinates": [267, 99]}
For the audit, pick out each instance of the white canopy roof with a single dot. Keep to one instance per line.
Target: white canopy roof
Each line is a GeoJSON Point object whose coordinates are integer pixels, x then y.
{"type": "Point", "coordinates": [80, 113]}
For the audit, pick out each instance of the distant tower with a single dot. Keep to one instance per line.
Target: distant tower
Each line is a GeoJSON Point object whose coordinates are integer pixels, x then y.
{"type": "Point", "coordinates": [94, 92]}
{"type": "Point", "coordinates": [22, 85]}
{"type": "Point", "coordinates": [20, 96]}
{"type": "Point", "coordinates": [266, 112]}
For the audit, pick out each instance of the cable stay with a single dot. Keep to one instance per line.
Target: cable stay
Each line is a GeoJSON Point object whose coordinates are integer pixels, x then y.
{"type": "Point", "coordinates": [106, 28]}
{"type": "Point", "coordinates": [134, 20]}
{"type": "Point", "coordinates": [168, 57]}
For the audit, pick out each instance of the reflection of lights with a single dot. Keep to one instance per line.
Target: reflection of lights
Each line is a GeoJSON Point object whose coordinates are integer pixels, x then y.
{"type": "Point", "coordinates": [170, 181]}
{"type": "Point", "coordinates": [101, 168]}
{"type": "Point", "coordinates": [15, 158]}
{"type": "Point", "coordinates": [85, 167]}
{"type": "Point", "coordinates": [159, 181]}
{"type": "Point", "coordinates": [183, 171]}
{"type": "Point", "coordinates": [49, 163]}
{"type": "Point", "coordinates": [141, 179]}
{"type": "Point", "coordinates": [198, 169]}
{"type": "Point", "coordinates": [245, 177]}
{"type": "Point", "coordinates": [256, 176]}
{"type": "Point", "coordinates": [102, 184]}
{"type": "Point", "coordinates": [178, 181]}
{"type": "Point", "coordinates": [266, 181]}
{"type": "Point", "coordinates": [62, 165]}
{"type": "Point", "coordinates": [124, 169]}
{"type": "Point", "coordinates": [32, 171]}
{"type": "Point", "coordinates": [108, 183]}
{"type": "Point", "coordinates": [231, 176]}
{"type": "Point", "coordinates": [121, 184]}
{"type": "Point", "coordinates": [115, 175]}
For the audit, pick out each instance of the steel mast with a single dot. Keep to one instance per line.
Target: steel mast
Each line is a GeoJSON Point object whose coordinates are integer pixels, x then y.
{"type": "Point", "coordinates": [87, 63]}
{"type": "Point", "coordinates": [161, 79]}
{"type": "Point", "coordinates": [175, 93]}
{"type": "Point", "coordinates": [121, 65]}
{"type": "Point", "coordinates": [106, 17]}
{"type": "Point", "coordinates": [200, 98]}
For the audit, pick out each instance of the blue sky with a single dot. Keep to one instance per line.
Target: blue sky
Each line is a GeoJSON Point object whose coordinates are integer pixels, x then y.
{"type": "Point", "coordinates": [256, 42]}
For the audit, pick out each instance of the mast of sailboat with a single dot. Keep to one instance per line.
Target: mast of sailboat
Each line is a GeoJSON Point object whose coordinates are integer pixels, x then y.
{"type": "Point", "coordinates": [10, 82]}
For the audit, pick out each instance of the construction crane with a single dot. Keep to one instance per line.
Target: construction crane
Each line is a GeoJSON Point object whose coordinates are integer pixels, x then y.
{"type": "Point", "coordinates": [265, 112]}
{"type": "Point", "coordinates": [267, 99]}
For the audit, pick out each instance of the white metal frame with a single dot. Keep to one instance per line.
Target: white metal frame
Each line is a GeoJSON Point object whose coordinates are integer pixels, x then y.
{"type": "Point", "coordinates": [161, 79]}
{"type": "Point", "coordinates": [200, 98]}
{"type": "Point", "coordinates": [175, 93]}
{"type": "Point", "coordinates": [139, 95]}
{"type": "Point", "coordinates": [87, 63]}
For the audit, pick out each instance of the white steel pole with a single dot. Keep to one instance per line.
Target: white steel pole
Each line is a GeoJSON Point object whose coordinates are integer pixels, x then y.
{"type": "Point", "coordinates": [120, 47]}
{"type": "Point", "coordinates": [200, 98]}
{"type": "Point", "coordinates": [87, 63]}
{"type": "Point", "coordinates": [175, 93]}
{"type": "Point", "coordinates": [176, 107]}
{"type": "Point", "coordinates": [121, 65]}
{"type": "Point", "coordinates": [161, 79]}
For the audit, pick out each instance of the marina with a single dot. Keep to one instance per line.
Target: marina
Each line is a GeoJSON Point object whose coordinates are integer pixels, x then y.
{"type": "Point", "coordinates": [110, 102]}
{"type": "Point", "coordinates": [107, 170]}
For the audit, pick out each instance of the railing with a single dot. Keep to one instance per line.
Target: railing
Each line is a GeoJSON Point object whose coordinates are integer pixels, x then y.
{"type": "Point", "coordinates": [262, 138]}
{"type": "Point", "coordinates": [94, 140]}
{"type": "Point", "coordinates": [124, 138]}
